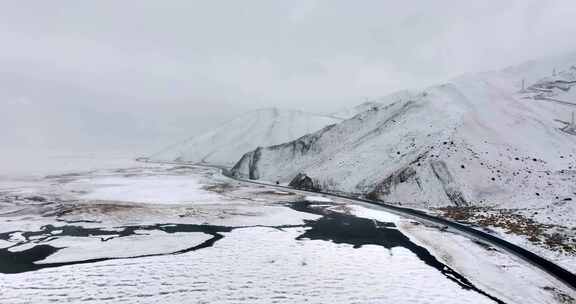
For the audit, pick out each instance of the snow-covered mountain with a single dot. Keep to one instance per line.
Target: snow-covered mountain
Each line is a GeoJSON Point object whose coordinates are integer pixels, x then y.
{"type": "Point", "coordinates": [347, 113]}
{"type": "Point", "coordinates": [483, 139]}
{"type": "Point", "coordinates": [226, 144]}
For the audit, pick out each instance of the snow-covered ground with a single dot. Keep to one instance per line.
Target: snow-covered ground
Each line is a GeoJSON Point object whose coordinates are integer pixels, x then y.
{"type": "Point", "coordinates": [168, 234]}
{"type": "Point", "coordinates": [147, 189]}
{"type": "Point", "coordinates": [495, 270]}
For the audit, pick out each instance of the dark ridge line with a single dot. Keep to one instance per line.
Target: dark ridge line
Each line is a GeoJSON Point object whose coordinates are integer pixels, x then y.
{"type": "Point", "coordinates": [78, 221]}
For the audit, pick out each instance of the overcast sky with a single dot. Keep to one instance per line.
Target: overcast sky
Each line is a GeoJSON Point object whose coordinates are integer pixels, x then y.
{"type": "Point", "coordinates": [148, 72]}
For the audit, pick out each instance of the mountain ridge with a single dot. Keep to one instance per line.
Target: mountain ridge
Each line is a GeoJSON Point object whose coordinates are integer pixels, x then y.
{"type": "Point", "coordinates": [261, 127]}
{"type": "Point", "coordinates": [478, 140]}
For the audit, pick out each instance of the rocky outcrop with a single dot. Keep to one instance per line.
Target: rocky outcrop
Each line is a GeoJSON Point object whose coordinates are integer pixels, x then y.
{"type": "Point", "coordinates": [385, 187]}
{"type": "Point", "coordinates": [450, 188]}
{"type": "Point", "coordinates": [303, 144]}
{"type": "Point", "coordinates": [247, 167]}
{"type": "Point", "coordinates": [304, 182]}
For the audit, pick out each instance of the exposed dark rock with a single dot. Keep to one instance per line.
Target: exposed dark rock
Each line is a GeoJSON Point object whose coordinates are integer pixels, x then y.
{"type": "Point", "coordinates": [404, 175]}
{"type": "Point", "coordinates": [36, 198]}
{"type": "Point", "coordinates": [250, 161]}
{"type": "Point", "coordinates": [385, 187]}
{"type": "Point", "coordinates": [445, 178]}
{"type": "Point", "coordinates": [304, 182]}
{"type": "Point", "coordinates": [384, 124]}
{"type": "Point", "coordinates": [247, 166]}
{"type": "Point", "coordinates": [302, 145]}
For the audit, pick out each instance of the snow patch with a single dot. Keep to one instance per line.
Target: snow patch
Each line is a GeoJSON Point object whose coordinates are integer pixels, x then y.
{"type": "Point", "coordinates": [319, 199]}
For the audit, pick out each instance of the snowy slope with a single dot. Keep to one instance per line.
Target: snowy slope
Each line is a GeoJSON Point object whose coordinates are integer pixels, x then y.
{"type": "Point", "coordinates": [478, 139]}
{"type": "Point", "coordinates": [347, 113]}
{"type": "Point", "coordinates": [227, 143]}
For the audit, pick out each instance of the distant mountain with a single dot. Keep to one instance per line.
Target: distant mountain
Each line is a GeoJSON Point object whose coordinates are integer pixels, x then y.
{"type": "Point", "coordinates": [227, 143]}
{"type": "Point", "coordinates": [490, 139]}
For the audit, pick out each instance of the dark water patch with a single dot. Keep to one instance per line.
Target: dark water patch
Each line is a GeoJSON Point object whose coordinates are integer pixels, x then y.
{"type": "Point", "coordinates": [47, 232]}
{"type": "Point", "coordinates": [22, 261]}
{"type": "Point", "coordinates": [343, 228]}
{"type": "Point", "coordinates": [346, 229]}
{"type": "Point", "coordinates": [25, 260]}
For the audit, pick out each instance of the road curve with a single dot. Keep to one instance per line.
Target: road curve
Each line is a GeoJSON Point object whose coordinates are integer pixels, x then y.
{"type": "Point", "coordinates": [547, 266]}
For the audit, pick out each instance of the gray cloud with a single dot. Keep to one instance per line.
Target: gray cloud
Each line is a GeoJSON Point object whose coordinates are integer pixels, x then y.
{"type": "Point", "coordinates": [157, 71]}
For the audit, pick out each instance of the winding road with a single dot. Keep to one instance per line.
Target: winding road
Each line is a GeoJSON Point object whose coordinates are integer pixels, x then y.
{"type": "Point", "coordinates": [547, 266]}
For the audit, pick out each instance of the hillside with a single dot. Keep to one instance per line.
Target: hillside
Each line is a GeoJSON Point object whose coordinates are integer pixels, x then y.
{"type": "Point", "coordinates": [350, 112]}
{"type": "Point", "coordinates": [226, 144]}
{"type": "Point", "coordinates": [478, 140]}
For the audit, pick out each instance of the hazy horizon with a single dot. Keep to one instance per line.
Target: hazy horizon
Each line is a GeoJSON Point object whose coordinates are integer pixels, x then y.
{"type": "Point", "coordinates": [136, 76]}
